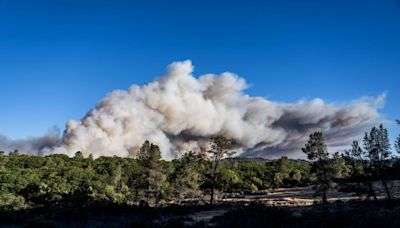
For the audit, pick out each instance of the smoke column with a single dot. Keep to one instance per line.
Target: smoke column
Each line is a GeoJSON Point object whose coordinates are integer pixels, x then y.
{"type": "Point", "coordinates": [180, 112]}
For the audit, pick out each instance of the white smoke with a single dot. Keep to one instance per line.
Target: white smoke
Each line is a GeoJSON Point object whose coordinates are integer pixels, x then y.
{"type": "Point", "coordinates": [180, 112]}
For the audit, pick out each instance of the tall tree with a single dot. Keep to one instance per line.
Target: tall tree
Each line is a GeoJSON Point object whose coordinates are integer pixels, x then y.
{"type": "Point", "coordinates": [154, 178]}
{"type": "Point", "coordinates": [281, 172]}
{"type": "Point", "coordinates": [397, 143]}
{"type": "Point", "coordinates": [317, 151]}
{"type": "Point", "coordinates": [354, 158]}
{"type": "Point", "coordinates": [339, 167]}
{"type": "Point", "coordinates": [359, 168]}
{"type": "Point", "coordinates": [220, 147]}
{"type": "Point", "coordinates": [185, 178]}
{"type": "Point", "coordinates": [377, 147]}
{"type": "Point", "coordinates": [118, 177]}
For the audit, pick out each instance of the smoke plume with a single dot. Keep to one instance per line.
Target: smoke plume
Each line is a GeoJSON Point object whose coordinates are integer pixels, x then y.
{"type": "Point", "coordinates": [33, 145]}
{"type": "Point", "coordinates": [180, 112]}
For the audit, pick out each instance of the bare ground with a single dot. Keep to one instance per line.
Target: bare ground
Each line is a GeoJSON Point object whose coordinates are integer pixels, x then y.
{"type": "Point", "coordinates": [304, 196]}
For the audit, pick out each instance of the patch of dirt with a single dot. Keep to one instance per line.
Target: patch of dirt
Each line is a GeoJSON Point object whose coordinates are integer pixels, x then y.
{"type": "Point", "coordinates": [204, 217]}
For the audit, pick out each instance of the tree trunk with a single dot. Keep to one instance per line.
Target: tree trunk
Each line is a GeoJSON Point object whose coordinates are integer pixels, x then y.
{"type": "Point", "coordinates": [386, 190]}
{"type": "Point", "coordinates": [212, 195]}
{"type": "Point", "coordinates": [389, 197]}
{"type": "Point", "coordinates": [326, 184]}
{"type": "Point", "coordinates": [213, 188]}
{"type": "Point", "coordinates": [214, 180]}
{"type": "Point", "coordinates": [371, 190]}
{"type": "Point", "coordinates": [370, 187]}
{"type": "Point", "coordinates": [324, 198]}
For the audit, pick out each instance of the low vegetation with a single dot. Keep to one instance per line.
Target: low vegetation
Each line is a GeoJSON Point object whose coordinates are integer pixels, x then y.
{"type": "Point", "coordinates": [57, 182]}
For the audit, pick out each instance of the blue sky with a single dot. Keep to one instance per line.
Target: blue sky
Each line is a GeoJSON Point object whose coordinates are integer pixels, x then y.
{"type": "Point", "coordinates": [58, 58]}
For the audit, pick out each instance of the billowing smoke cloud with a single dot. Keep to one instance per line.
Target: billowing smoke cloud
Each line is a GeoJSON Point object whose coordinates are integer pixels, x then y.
{"type": "Point", "coordinates": [180, 112]}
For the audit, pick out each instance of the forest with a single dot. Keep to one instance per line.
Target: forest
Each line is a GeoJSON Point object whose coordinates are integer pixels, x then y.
{"type": "Point", "coordinates": [36, 184]}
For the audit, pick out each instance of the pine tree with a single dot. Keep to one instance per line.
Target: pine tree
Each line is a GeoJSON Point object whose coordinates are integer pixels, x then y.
{"type": "Point", "coordinates": [317, 151]}
{"type": "Point", "coordinates": [356, 151]}
{"type": "Point", "coordinates": [397, 143]}
{"type": "Point", "coordinates": [220, 147]}
{"type": "Point", "coordinates": [377, 147]}
{"type": "Point", "coordinates": [354, 158]}
{"type": "Point", "coordinates": [339, 167]}
{"type": "Point", "coordinates": [360, 169]}
{"type": "Point", "coordinates": [186, 179]}
{"type": "Point", "coordinates": [150, 158]}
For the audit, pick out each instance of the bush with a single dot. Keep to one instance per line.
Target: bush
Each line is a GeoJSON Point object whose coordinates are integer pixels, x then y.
{"type": "Point", "coordinates": [11, 202]}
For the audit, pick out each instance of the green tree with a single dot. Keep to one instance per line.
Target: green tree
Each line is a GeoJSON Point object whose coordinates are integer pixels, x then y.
{"type": "Point", "coordinates": [3, 160]}
{"type": "Point", "coordinates": [150, 158]}
{"type": "Point", "coordinates": [228, 179]}
{"type": "Point", "coordinates": [397, 143]}
{"type": "Point", "coordinates": [283, 167]}
{"type": "Point", "coordinates": [11, 202]}
{"type": "Point", "coordinates": [133, 173]}
{"type": "Point", "coordinates": [339, 166]}
{"type": "Point", "coordinates": [78, 155]}
{"type": "Point", "coordinates": [185, 179]}
{"type": "Point", "coordinates": [14, 153]}
{"type": "Point", "coordinates": [359, 170]}
{"type": "Point", "coordinates": [354, 158]}
{"type": "Point", "coordinates": [220, 147]}
{"type": "Point", "coordinates": [377, 148]}
{"type": "Point", "coordinates": [317, 151]}
{"type": "Point", "coordinates": [296, 176]}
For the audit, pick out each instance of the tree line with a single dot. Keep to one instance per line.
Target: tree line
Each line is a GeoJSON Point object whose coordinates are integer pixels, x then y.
{"type": "Point", "coordinates": [364, 165]}
{"type": "Point", "coordinates": [205, 176]}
